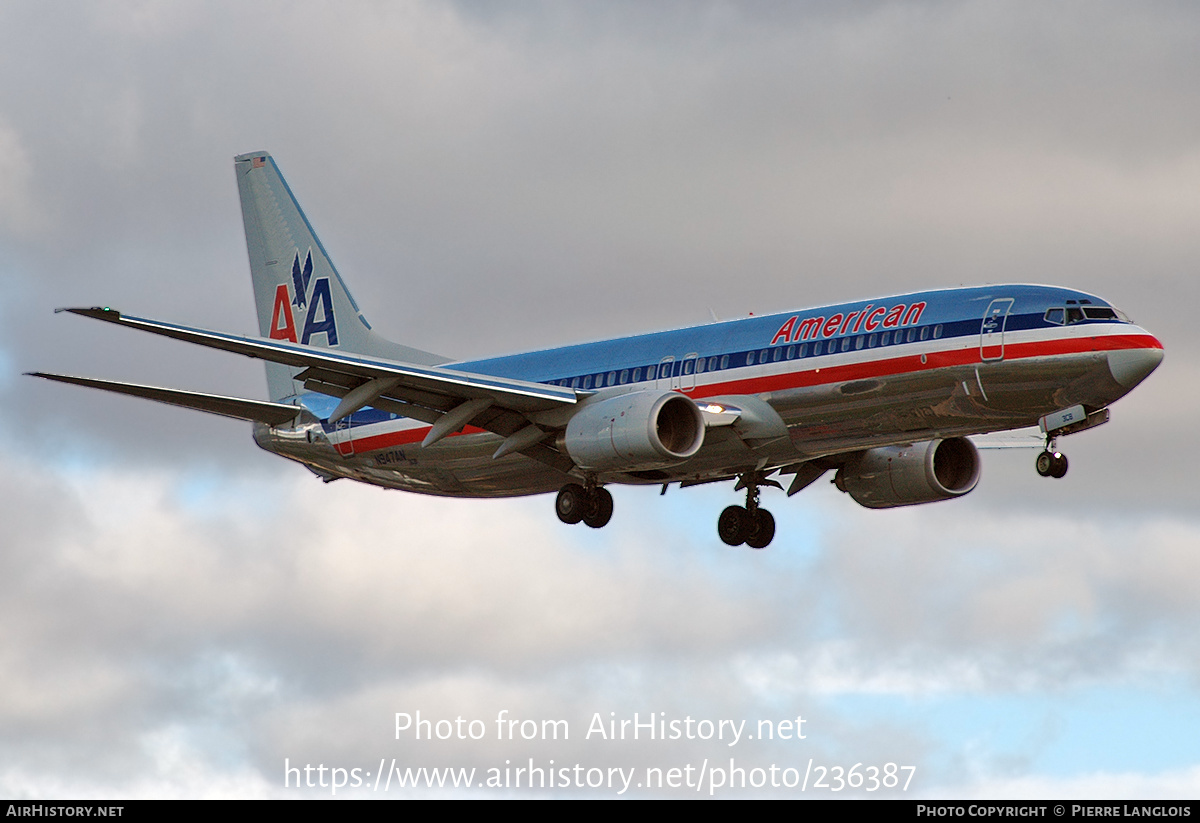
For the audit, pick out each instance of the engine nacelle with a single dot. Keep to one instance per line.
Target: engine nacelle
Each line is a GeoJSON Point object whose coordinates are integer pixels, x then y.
{"type": "Point", "coordinates": [635, 432]}
{"type": "Point", "coordinates": [905, 475]}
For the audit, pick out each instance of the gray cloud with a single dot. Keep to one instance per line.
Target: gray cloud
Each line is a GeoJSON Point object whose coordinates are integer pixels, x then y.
{"type": "Point", "coordinates": [187, 612]}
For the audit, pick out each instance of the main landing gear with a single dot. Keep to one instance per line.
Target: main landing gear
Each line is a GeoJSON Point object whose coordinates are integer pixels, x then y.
{"type": "Point", "coordinates": [591, 504]}
{"type": "Point", "coordinates": [749, 524]}
{"type": "Point", "coordinates": [1051, 462]}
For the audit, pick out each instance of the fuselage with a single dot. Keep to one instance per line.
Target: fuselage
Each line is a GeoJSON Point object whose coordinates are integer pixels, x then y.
{"type": "Point", "coordinates": [839, 378]}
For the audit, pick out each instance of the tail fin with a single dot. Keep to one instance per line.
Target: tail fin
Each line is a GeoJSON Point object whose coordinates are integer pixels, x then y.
{"type": "Point", "coordinates": [299, 294]}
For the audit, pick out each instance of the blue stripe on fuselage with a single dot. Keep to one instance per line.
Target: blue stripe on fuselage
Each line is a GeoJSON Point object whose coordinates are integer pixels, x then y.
{"type": "Point", "coordinates": [946, 315]}
{"type": "Point", "coordinates": [958, 311]}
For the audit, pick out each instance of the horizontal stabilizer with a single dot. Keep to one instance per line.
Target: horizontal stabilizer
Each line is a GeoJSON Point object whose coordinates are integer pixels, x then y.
{"type": "Point", "coordinates": [273, 414]}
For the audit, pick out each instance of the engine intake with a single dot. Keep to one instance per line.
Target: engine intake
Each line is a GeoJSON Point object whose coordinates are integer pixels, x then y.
{"type": "Point", "coordinates": [893, 476]}
{"type": "Point", "coordinates": [635, 431]}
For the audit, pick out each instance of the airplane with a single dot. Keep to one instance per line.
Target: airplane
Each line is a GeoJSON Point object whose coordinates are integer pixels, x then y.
{"type": "Point", "coordinates": [885, 392]}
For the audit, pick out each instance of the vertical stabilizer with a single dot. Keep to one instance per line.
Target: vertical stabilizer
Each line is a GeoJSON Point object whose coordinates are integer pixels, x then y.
{"type": "Point", "coordinates": [299, 294]}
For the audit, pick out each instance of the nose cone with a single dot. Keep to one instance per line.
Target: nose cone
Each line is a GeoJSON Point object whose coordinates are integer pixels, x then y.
{"type": "Point", "coordinates": [1131, 366]}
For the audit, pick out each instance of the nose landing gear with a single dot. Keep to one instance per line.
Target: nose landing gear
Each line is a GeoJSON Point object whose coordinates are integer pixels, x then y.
{"type": "Point", "coordinates": [1051, 462]}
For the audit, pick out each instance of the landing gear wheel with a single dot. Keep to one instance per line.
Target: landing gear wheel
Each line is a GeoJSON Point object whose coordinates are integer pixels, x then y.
{"type": "Point", "coordinates": [571, 503]}
{"type": "Point", "coordinates": [762, 529]}
{"type": "Point", "coordinates": [1052, 464]}
{"type": "Point", "coordinates": [599, 509]}
{"type": "Point", "coordinates": [732, 525]}
{"type": "Point", "coordinates": [1044, 461]}
{"type": "Point", "coordinates": [1059, 467]}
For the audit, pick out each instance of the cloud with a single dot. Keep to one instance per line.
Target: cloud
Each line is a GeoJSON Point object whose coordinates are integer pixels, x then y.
{"type": "Point", "coordinates": [19, 212]}
{"type": "Point", "coordinates": [230, 625]}
{"type": "Point", "coordinates": [1179, 784]}
{"type": "Point", "coordinates": [181, 612]}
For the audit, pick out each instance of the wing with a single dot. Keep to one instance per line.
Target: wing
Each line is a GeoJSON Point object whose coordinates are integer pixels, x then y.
{"type": "Point", "coordinates": [273, 414]}
{"type": "Point", "coordinates": [446, 398]}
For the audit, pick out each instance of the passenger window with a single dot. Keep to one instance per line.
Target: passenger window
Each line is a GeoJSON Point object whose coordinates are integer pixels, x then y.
{"type": "Point", "coordinates": [937, 331]}
{"type": "Point", "coordinates": [587, 382]}
{"type": "Point", "coordinates": [778, 353]}
{"type": "Point", "coordinates": [637, 375]}
{"type": "Point", "coordinates": [872, 340]}
{"type": "Point", "coordinates": [750, 359]}
{"type": "Point", "coordinates": [924, 332]}
{"type": "Point", "coordinates": [887, 338]}
{"type": "Point", "coordinates": [858, 343]}
{"type": "Point", "coordinates": [791, 352]}
{"type": "Point", "coordinates": [612, 377]}
{"type": "Point", "coordinates": [724, 361]}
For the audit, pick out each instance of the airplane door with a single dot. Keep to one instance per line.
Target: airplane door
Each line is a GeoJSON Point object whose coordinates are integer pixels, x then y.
{"type": "Point", "coordinates": [666, 367]}
{"type": "Point", "coordinates": [345, 444]}
{"type": "Point", "coordinates": [991, 335]}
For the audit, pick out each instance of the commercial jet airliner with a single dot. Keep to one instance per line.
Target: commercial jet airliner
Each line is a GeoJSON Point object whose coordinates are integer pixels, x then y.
{"type": "Point", "coordinates": [884, 392]}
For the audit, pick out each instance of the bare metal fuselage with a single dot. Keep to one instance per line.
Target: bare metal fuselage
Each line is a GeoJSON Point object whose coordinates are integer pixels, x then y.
{"type": "Point", "coordinates": [830, 404]}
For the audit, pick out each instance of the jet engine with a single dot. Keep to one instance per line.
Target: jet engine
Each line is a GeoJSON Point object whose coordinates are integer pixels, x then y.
{"type": "Point", "coordinates": [904, 475]}
{"type": "Point", "coordinates": [636, 431]}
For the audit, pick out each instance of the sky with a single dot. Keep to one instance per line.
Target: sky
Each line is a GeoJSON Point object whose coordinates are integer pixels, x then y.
{"type": "Point", "coordinates": [183, 615]}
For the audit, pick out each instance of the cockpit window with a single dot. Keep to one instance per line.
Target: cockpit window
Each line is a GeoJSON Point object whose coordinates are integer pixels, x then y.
{"type": "Point", "coordinates": [1077, 313]}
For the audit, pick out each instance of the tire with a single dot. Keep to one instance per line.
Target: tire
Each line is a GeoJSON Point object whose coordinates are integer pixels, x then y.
{"type": "Point", "coordinates": [571, 503]}
{"type": "Point", "coordinates": [599, 509]}
{"type": "Point", "coordinates": [732, 525]}
{"type": "Point", "coordinates": [1045, 464]}
{"type": "Point", "coordinates": [1058, 468]}
{"type": "Point", "coordinates": [762, 530]}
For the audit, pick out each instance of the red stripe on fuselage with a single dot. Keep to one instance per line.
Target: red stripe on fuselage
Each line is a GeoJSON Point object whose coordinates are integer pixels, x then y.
{"type": "Point", "coordinates": [823, 375]}
{"type": "Point", "coordinates": [375, 442]}
{"type": "Point", "coordinates": [911, 363]}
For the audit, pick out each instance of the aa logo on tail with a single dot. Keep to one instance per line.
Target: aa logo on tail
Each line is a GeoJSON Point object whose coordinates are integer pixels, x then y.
{"type": "Point", "coordinates": [319, 318]}
{"type": "Point", "coordinates": [300, 279]}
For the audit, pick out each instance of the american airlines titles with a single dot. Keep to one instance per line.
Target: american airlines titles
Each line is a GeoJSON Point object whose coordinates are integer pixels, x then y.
{"type": "Point", "coordinates": [868, 319]}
